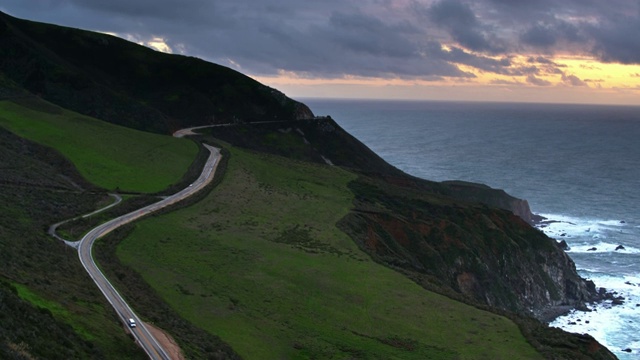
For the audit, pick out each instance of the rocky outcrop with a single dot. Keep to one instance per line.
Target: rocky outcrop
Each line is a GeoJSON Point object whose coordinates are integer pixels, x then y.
{"type": "Point", "coordinates": [303, 112]}
{"type": "Point", "coordinates": [486, 254]}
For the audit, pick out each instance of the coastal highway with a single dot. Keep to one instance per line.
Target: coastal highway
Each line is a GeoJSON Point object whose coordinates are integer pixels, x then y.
{"type": "Point", "coordinates": [142, 335]}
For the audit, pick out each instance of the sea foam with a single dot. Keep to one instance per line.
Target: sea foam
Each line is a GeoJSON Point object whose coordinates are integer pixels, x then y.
{"type": "Point", "coordinates": [615, 326]}
{"type": "Point", "coordinates": [602, 247]}
{"type": "Point", "coordinates": [593, 244]}
{"type": "Point", "coordinates": [569, 226]}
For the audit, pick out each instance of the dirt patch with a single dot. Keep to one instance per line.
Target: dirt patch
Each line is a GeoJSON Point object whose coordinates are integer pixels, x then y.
{"type": "Point", "coordinates": [167, 342]}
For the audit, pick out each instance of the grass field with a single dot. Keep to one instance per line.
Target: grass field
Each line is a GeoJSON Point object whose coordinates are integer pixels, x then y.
{"type": "Point", "coordinates": [261, 264]}
{"type": "Point", "coordinates": [109, 156]}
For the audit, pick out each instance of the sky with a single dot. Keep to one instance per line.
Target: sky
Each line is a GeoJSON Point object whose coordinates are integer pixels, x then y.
{"type": "Point", "coordinates": [568, 51]}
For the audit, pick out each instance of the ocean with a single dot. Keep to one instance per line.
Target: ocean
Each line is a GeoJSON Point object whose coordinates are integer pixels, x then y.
{"type": "Point", "coordinates": [577, 165]}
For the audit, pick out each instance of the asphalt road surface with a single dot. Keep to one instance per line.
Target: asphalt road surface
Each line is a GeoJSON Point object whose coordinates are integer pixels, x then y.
{"type": "Point", "coordinates": [144, 338]}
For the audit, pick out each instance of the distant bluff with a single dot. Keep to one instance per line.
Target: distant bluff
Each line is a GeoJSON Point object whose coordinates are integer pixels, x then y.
{"type": "Point", "coordinates": [127, 84]}
{"type": "Point", "coordinates": [495, 197]}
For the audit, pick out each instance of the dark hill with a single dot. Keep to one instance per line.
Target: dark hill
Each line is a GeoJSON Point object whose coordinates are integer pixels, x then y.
{"type": "Point", "coordinates": [118, 81]}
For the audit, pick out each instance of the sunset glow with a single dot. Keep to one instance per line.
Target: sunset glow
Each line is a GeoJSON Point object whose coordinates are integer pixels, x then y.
{"type": "Point", "coordinates": [593, 82]}
{"type": "Point", "coordinates": [485, 50]}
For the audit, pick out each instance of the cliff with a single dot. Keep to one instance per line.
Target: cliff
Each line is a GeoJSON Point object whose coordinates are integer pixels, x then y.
{"type": "Point", "coordinates": [489, 255]}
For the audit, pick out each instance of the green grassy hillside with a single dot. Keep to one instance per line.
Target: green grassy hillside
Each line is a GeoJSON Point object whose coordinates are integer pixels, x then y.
{"type": "Point", "coordinates": [49, 307]}
{"type": "Point", "coordinates": [109, 156]}
{"type": "Point", "coordinates": [260, 263]}
{"type": "Point", "coordinates": [38, 187]}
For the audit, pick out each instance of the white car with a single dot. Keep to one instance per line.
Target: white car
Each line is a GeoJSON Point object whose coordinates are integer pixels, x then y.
{"type": "Point", "coordinates": [132, 323]}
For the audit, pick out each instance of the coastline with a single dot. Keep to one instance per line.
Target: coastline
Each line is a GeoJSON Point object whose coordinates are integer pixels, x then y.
{"type": "Point", "coordinates": [599, 294]}
{"type": "Point", "coordinates": [611, 315]}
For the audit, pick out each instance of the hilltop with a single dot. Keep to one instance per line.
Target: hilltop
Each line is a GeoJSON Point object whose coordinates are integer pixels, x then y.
{"type": "Point", "coordinates": [421, 239]}
{"type": "Point", "coordinates": [120, 82]}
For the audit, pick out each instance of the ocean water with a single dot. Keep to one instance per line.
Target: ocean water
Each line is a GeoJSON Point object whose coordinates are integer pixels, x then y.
{"type": "Point", "coordinates": [577, 165]}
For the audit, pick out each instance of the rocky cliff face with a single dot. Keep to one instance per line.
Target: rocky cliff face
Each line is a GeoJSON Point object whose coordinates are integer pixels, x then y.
{"type": "Point", "coordinates": [488, 255]}
{"type": "Point", "coordinates": [302, 112]}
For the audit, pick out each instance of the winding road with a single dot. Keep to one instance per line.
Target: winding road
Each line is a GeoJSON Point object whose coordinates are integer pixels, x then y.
{"type": "Point", "coordinates": [74, 244]}
{"type": "Point", "coordinates": [142, 335]}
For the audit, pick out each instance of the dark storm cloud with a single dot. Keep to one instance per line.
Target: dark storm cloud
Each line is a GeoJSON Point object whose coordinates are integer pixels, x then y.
{"type": "Point", "coordinates": [462, 24]}
{"type": "Point", "coordinates": [546, 35]}
{"type": "Point", "coordinates": [618, 41]}
{"type": "Point", "coordinates": [167, 9]}
{"type": "Point", "coordinates": [359, 33]}
{"type": "Point", "coordinates": [343, 44]}
{"type": "Point", "coordinates": [424, 39]}
{"type": "Point", "coordinates": [540, 35]}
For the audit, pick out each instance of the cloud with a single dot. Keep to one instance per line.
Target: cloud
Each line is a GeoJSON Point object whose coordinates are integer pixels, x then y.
{"type": "Point", "coordinates": [461, 23]}
{"type": "Point", "coordinates": [367, 38]}
{"type": "Point", "coordinates": [435, 50]}
{"type": "Point", "coordinates": [548, 34]}
{"type": "Point", "coordinates": [617, 40]}
{"type": "Point", "coordinates": [572, 80]}
{"type": "Point", "coordinates": [166, 9]}
{"type": "Point", "coordinates": [540, 35]}
{"type": "Point", "coordinates": [531, 79]}
{"type": "Point", "coordinates": [355, 32]}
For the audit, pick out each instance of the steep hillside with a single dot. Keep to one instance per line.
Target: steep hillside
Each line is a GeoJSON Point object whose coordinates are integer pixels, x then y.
{"type": "Point", "coordinates": [49, 307]}
{"type": "Point", "coordinates": [324, 141]}
{"type": "Point", "coordinates": [111, 157]}
{"type": "Point", "coordinates": [120, 82]}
